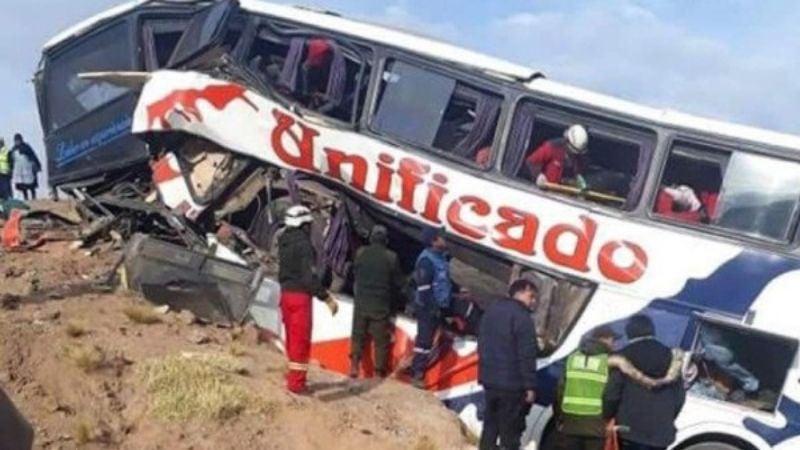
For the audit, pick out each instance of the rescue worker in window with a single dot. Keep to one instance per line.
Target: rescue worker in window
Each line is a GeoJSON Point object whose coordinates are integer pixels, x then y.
{"type": "Point", "coordinates": [377, 280]}
{"type": "Point", "coordinates": [6, 169]}
{"type": "Point", "coordinates": [299, 282]}
{"type": "Point", "coordinates": [434, 290]}
{"type": "Point", "coordinates": [559, 160]}
{"type": "Point", "coordinates": [316, 71]}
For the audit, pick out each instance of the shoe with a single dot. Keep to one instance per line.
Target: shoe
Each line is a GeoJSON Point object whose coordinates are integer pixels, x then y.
{"type": "Point", "coordinates": [418, 383]}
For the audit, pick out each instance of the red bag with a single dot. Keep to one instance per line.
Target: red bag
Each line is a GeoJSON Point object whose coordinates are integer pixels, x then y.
{"type": "Point", "coordinates": [612, 440]}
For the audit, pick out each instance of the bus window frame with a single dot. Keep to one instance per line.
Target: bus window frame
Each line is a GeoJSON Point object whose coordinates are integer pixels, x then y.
{"type": "Point", "coordinates": [711, 231]}
{"type": "Point", "coordinates": [287, 28]}
{"type": "Point", "coordinates": [52, 58]}
{"type": "Point", "coordinates": [701, 319]}
{"type": "Point", "coordinates": [554, 111]}
{"type": "Point", "coordinates": [427, 151]}
{"type": "Point", "coordinates": [146, 43]}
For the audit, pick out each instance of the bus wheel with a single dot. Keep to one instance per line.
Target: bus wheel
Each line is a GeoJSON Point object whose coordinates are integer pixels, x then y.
{"type": "Point", "coordinates": [713, 446]}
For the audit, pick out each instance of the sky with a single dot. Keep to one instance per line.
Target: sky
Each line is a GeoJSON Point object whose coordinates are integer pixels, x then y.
{"type": "Point", "coordinates": [733, 60]}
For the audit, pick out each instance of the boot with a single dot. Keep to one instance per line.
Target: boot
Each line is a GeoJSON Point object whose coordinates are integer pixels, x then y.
{"type": "Point", "coordinates": [354, 363]}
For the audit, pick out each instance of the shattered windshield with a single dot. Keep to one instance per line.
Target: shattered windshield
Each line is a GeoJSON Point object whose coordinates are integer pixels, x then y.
{"type": "Point", "coordinates": [69, 97]}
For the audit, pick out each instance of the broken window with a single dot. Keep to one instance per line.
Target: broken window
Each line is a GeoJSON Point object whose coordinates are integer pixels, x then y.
{"type": "Point", "coordinates": [68, 97]}
{"type": "Point", "coordinates": [729, 363]}
{"type": "Point", "coordinates": [610, 169]}
{"type": "Point", "coordinates": [751, 194]}
{"type": "Point", "coordinates": [559, 304]}
{"type": "Point", "coordinates": [316, 72]}
{"type": "Point", "coordinates": [208, 28]}
{"type": "Point", "coordinates": [438, 112]}
{"type": "Point", "coordinates": [160, 39]}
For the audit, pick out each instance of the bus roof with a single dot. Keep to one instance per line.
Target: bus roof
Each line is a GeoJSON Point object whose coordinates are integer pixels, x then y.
{"type": "Point", "coordinates": [376, 33]}
{"type": "Point", "coordinates": [488, 64]}
{"type": "Point", "coordinates": [665, 117]}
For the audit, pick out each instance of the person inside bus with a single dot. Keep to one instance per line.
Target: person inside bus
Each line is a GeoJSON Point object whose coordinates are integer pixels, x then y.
{"type": "Point", "coordinates": [681, 202]}
{"type": "Point", "coordinates": [715, 349]}
{"type": "Point", "coordinates": [316, 70]}
{"type": "Point", "coordinates": [561, 160]}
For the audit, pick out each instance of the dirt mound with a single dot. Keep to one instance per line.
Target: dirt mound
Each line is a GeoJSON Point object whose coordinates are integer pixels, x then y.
{"type": "Point", "coordinates": [88, 373]}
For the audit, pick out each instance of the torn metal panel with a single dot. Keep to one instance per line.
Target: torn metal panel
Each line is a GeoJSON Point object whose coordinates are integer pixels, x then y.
{"type": "Point", "coordinates": [212, 288]}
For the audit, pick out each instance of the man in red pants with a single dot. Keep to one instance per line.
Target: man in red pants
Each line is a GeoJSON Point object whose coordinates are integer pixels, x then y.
{"type": "Point", "coordinates": [299, 282]}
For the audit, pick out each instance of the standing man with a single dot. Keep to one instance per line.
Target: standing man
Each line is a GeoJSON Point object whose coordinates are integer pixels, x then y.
{"type": "Point", "coordinates": [5, 171]}
{"type": "Point", "coordinates": [507, 366]}
{"type": "Point", "coordinates": [649, 413]}
{"type": "Point", "coordinates": [26, 168]}
{"type": "Point", "coordinates": [299, 282]}
{"type": "Point", "coordinates": [560, 159]}
{"type": "Point", "coordinates": [377, 280]}
{"type": "Point", "coordinates": [432, 298]}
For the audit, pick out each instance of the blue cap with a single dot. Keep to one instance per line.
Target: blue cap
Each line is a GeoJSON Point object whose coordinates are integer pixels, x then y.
{"type": "Point", "coordinates": [429, 234]}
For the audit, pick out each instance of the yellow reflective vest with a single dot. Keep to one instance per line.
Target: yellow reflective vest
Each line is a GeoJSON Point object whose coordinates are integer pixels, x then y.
{"type": "Point", "coordinates": [586, 379]}
{"type": "Point", "coordinates": [5, 161]}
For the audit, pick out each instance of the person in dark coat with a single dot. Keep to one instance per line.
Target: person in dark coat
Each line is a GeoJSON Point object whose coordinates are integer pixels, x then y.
{"type": "Point", "coordinates": [648, 413]}
{"type": "Point", "coordinates": [26, 168]}
{"type": "Point", "coordinates": [507, 366]}
{"type": "Point", "coordinates": [15, 431]}
{"type": "Point", "coordinates": [299, 282]}
{"type": "Point", "coordinates": [378, 279]}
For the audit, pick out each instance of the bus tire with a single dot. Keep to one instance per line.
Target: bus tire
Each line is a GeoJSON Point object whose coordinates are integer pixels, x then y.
{"type": "Point", "coordinates": [713, 446]}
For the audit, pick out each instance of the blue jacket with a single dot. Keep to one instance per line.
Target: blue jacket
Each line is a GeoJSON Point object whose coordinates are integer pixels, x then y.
{"type": "Point", "coordinates": [432, 275]}
{"type": "Point", "coordinates": [507, 347]}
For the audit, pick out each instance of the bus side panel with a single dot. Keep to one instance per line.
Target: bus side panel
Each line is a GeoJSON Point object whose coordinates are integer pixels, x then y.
{"type": "Point", "coordinates": [99, 143]}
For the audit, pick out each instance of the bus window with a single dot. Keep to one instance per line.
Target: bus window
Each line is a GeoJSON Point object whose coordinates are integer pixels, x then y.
{"type": "Point", "coordinates": [267, 56]}
{"type": "Point", "coordinates": [577, 157]}
{"type": "Point", "coordinates": [68, 97]}
{"type": "Point", "coordinates": [438, 112]}
{"type": "Point", "coordinates": [729, 363]}
{"type": "Point", "coordinates": [320, 74]}
{"type": "Point", "coordinates": [558, 307]}
{"type": "Point", "coordinates": [751, 194]}
{"type": "Point", "coordinates": [160, 39]}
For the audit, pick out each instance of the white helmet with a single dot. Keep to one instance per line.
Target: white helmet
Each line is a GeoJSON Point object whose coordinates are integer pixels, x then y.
{"type": "Point", "coordinates": [577, 139]}
{"type": "Point", "coordinates": [297, 215]}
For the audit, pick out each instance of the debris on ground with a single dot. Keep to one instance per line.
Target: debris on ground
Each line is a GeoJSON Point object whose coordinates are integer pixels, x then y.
{"type": "Point", "coordinates": [89, 377]}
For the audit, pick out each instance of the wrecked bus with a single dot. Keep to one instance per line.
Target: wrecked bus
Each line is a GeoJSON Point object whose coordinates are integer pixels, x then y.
{"type": "Point", "coordinates": [263, 106]}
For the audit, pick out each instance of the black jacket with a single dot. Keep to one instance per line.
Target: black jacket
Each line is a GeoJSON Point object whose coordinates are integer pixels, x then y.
{"type": "Point", "coordinates": [378, 280]}
{"type": "Point", "coordinates": [649, 413]}
{"type": "Point", "coordinates": [297, 264]}
{"type": "Point", "coordinates": [507, 347]}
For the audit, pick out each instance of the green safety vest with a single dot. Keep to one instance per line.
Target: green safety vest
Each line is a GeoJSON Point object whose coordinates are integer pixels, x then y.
{"type": "Point", "coordinates": [5, 161]}
{"type": "Point", "coordinates": [585, 381]}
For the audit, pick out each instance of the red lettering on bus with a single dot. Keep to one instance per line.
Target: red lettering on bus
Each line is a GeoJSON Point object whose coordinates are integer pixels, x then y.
{"type": "Point", "coordinates": [578, 257]}
{"type": "Point", "coordinates": [627, 275]}
{"type": "Point", "coordinates": [515, 219]}
{"type": "Point", "coordinates": [436, 191]}
{"type": "Point", "coordinates": [478, 206]}
{"type": "Point", "coordinates": [385, 175]}
{"type": "Point", "coordinates": [411, 173]}
{"type": "Point", "coordinates": [304, 158]}
{"type": "Point", "coordinates": [358, 176]}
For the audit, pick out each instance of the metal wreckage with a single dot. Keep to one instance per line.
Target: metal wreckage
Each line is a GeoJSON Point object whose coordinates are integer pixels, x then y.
{"type": "Point", "coordinates": [188, 128]}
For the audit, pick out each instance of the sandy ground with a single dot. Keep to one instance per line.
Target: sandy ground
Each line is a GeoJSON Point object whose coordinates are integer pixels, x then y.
{"type": "Point", "coordinates": [48, 292]}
